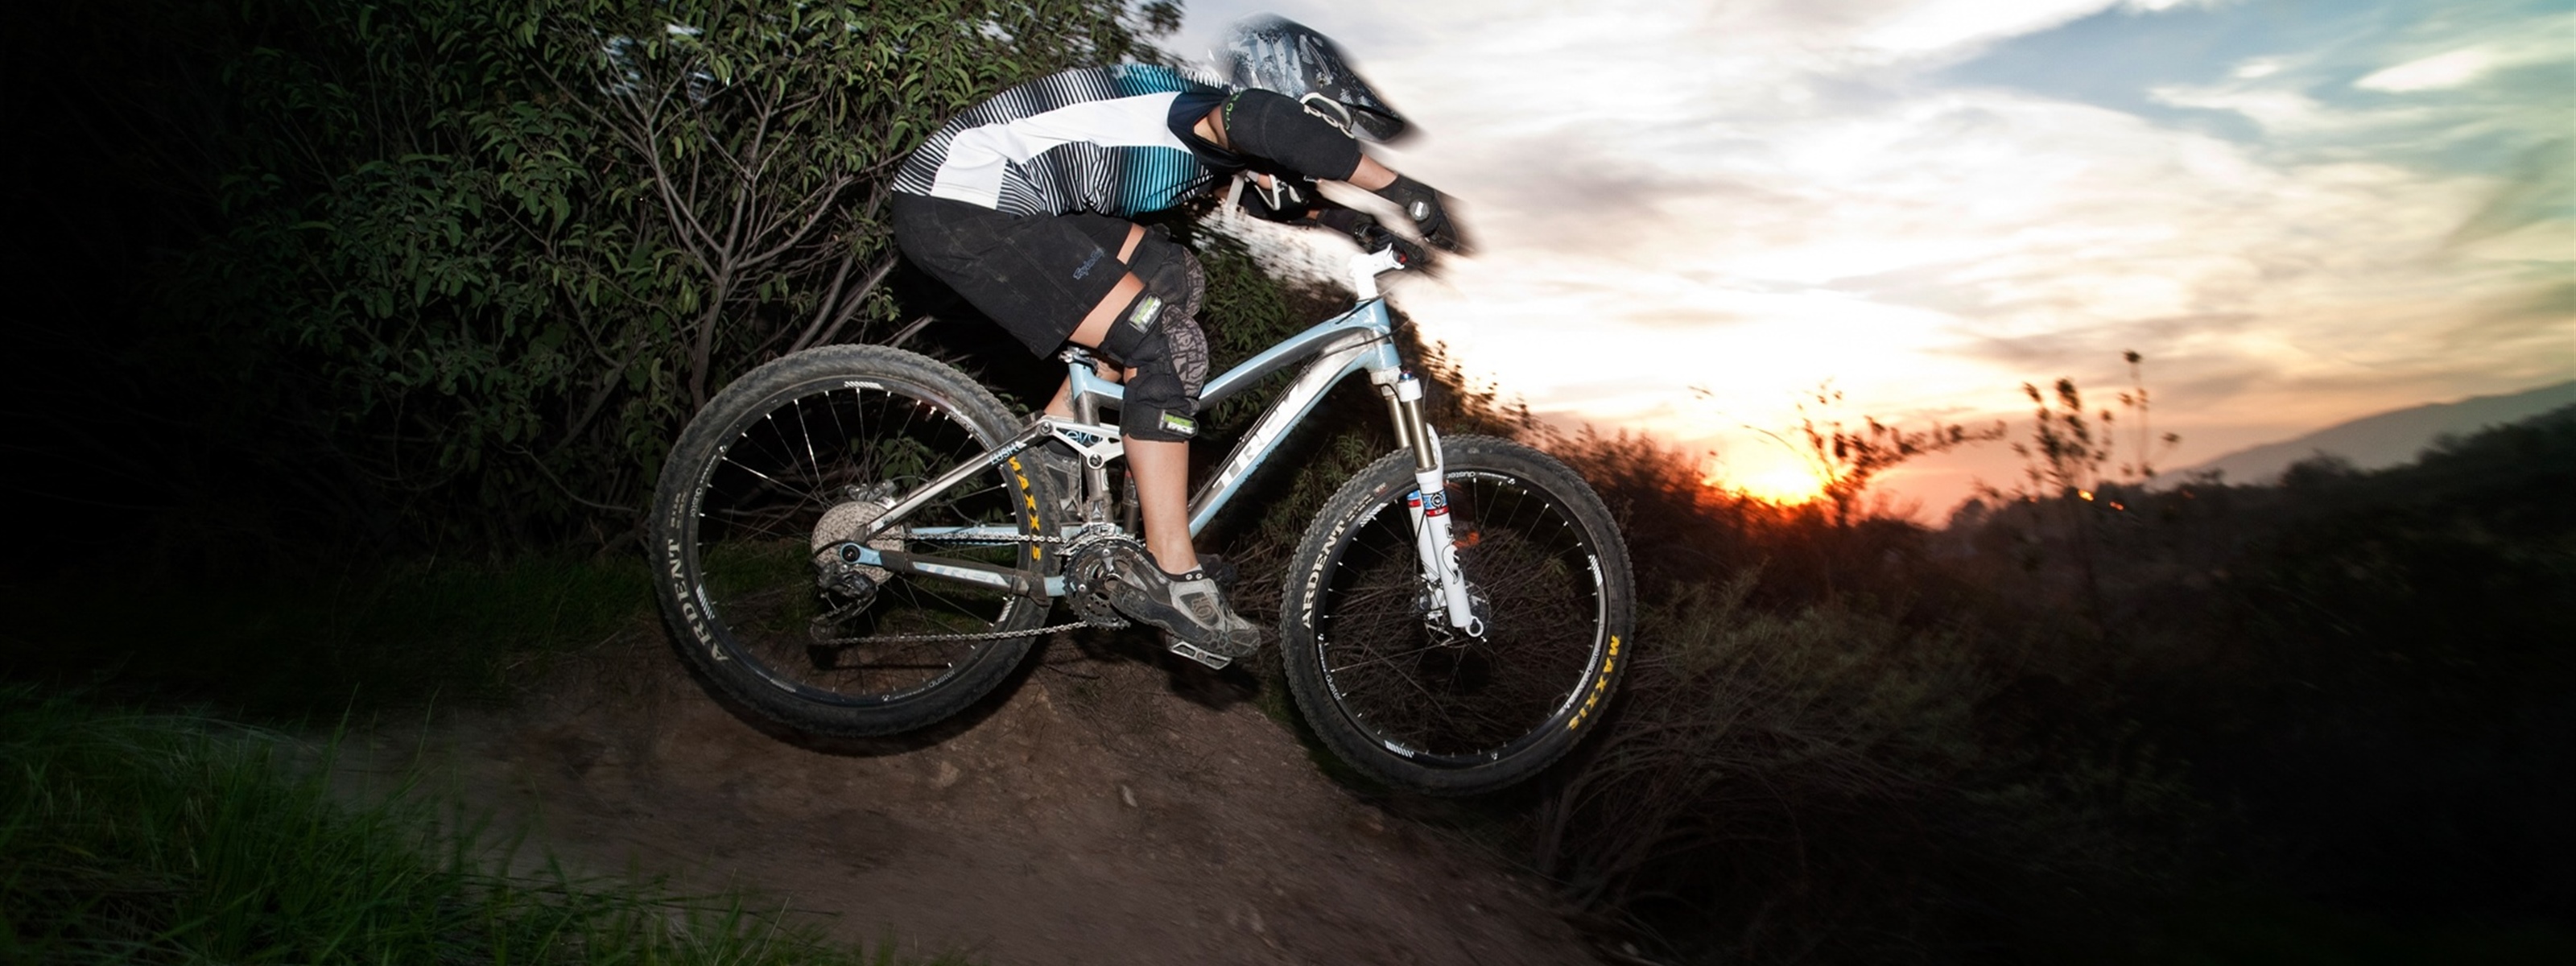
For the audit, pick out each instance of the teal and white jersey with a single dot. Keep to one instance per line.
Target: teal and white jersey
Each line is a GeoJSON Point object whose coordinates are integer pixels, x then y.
{"type": "Point", "coordinates": [1099, 139]}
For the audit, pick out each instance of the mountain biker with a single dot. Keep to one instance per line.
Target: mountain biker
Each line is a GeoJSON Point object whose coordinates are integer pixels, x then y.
{"type": "Point", "coordinates": [1022, 203]}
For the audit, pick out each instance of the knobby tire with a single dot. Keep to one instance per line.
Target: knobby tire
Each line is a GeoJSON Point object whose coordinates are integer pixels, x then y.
{"type": "Point", "coordinates": [740, 498]}
{"type": "Point", "coordinates": [1426, 709]}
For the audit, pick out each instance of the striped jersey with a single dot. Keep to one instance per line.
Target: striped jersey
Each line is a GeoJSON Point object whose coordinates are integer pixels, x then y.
{"type": "Point", "coordinates": [1098, 139]}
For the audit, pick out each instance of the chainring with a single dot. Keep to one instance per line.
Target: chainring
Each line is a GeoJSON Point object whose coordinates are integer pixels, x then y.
{"type": "Point", "coordinates": [1091, 564]}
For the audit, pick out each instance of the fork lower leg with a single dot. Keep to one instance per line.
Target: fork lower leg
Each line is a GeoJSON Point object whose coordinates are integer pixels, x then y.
{"type": "Point", "coordinates": [1430, 508]}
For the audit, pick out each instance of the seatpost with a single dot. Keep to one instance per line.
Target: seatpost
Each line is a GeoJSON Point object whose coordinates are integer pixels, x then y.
{"type": "Point", "coordinates": [1078, 359]}
{"type": "Point", "coordinates": [1086, 409]}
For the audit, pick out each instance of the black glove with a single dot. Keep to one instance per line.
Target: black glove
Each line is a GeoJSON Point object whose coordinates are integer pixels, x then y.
{"type": "Point", "coordinates": [1373, 236]}
{"type": "Point", "coordinates": [1423, 205]}
{"type": "Point", "coordinates": [1285, 200]}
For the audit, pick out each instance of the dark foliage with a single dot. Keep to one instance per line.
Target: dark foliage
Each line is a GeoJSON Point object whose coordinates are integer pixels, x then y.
{"type": "Point", "coordinates": [446, 274]}
{"type": "Point", "coordinates": [2395, 693]}
{"type": "Point", "coordinates": [2029, 736]}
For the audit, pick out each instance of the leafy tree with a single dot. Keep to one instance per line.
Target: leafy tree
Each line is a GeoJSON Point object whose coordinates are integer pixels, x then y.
{"type": "Point", "coordinates": [482, 258]}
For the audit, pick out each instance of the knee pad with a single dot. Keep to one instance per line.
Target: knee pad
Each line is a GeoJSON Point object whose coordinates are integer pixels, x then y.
{"type": "Point", "coordinates": [1158, 335]}
{"type": "Point", "coordinates": [1174, 283]}
{"type": "Point", "coordinates": [1162, 398]}
{"type": "Point", "coordinates": [1169, 270]}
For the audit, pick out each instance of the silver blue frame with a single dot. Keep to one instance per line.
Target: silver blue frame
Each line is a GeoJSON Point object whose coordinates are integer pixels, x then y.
{"type": "Point", "coordinates": [1361, 339]}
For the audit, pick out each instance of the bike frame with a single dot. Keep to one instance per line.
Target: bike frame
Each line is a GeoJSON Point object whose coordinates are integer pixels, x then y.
{"type": "Point", "coordinates": [1360, 340]}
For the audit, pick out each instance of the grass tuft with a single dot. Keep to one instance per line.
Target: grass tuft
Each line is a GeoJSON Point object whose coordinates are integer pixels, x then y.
{"type": "Point", "coordinates": [300, 648]}
{"type": "Point", "coordinates": [142, 838]}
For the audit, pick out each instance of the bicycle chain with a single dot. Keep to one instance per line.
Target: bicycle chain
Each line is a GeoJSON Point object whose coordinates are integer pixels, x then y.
{"type": "Point", "coordinates": [827, 620]}
{"type": "Point", "coordinates": [981, 636]}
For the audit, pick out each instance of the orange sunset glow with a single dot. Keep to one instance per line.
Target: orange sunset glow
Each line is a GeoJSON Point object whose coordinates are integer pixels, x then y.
{"type": "Point", "coordinates": [1784, 480]}
{"type": "Point", "coordinates": [2298, 214]}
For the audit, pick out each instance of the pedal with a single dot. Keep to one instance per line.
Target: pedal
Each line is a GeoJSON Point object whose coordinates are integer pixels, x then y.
{"type": "Point", "coordinates": [1213, 660]}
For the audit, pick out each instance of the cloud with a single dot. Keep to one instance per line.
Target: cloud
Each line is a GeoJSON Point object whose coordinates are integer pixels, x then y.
{"type": "Point", "coordinates": [2481, 43]}
{"type": "Point", "coordinates": [2047, 351]}
{"type": "Point", "coordinates": [2536, 193]}
{"type": "Point", "coordinates": [2539, 319]}
{"type": "Point", "coordinates": [1755, 197]}
{"type": "Point", "coordinates": [2453, 69]}
{"type": "Point", "coordinates": [1949, 25]}
{"type": "Point", "coordinates": [1574, 190]}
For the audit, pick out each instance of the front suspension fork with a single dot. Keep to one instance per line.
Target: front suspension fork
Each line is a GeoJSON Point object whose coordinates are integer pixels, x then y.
{"type": "Point", "coordinates": [1429, 505]}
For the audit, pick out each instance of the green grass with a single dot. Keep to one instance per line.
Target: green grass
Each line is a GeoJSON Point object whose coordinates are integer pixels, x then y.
{"type": "Point", "coordinates": [131, 838]}
{"type": "Point", "coordinates": [313, 647]}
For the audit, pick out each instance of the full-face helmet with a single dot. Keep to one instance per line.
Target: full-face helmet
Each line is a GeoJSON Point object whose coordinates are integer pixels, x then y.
{"type": "Point", "coordinates": [1277, 54]}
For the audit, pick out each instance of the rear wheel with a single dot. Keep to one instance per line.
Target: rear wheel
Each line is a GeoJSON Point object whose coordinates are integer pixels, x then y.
{"type": "Point", "coordinates": [1407, 698]}
{"type": "Point", "coordinates": [793, 461]}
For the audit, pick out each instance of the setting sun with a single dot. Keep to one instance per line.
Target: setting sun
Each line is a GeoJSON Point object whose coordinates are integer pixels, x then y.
{"type": "Point", "coordinates": [1785, 483]}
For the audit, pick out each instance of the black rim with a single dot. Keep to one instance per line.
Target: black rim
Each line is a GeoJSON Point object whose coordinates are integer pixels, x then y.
{"type": "Point", "coordinates": [756, 508]}
{"type": "Point", "coordinates": [1443, 699]}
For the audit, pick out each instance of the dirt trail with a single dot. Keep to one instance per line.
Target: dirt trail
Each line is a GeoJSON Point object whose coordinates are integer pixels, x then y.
{"type": "Point", "coordinates": [1108, 810]}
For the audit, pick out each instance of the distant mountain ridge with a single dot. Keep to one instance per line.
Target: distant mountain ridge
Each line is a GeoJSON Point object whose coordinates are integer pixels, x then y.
{"type": "Point", "coordinates": [2389, 438]}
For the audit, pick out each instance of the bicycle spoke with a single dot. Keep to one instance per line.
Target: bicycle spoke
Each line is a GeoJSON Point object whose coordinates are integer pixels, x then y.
{"type": "Point", "coordinates": [794, 455]}
{"type": "Point", "coordinates": [1467, 696]}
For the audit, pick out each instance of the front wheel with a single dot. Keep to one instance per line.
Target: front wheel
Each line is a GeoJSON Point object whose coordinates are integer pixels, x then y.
{"type": "Point", "coordinates": [1397, 692]}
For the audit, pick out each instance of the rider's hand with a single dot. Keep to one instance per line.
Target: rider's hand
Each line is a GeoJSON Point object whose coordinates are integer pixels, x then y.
{"type": "Point", "coordinates": [1373, 236]}
{"type": "Point", "coordinates": [1425, 206]}
{"type": "Point", "coordinates": [1279, 200]}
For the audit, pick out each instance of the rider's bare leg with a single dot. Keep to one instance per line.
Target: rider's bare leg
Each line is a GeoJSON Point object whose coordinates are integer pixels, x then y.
{"type": "Point", "coordinates": [1161, 468]}
{"type": "Point", "coordinates": [1162, 471]}
{"type": "Point", "coordinates": [1061, 407]}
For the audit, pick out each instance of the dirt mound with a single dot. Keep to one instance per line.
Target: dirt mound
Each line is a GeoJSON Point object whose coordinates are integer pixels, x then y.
{"type": "Point", "coordinates": [1111, 808]}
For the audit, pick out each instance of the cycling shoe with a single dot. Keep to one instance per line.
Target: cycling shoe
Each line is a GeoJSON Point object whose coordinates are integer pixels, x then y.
{"type": "Point", "coordinates": [1220, 570]}
{"type": "Point", "coordinates": [1191, 606]}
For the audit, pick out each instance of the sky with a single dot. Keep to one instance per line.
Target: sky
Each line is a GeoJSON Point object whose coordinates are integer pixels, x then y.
{"type": "Point", "coordinates": [1690, 216]}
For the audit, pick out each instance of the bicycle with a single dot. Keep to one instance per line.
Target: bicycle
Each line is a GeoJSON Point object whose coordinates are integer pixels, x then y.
{"type": "Point", "coordinates": [857, 541]}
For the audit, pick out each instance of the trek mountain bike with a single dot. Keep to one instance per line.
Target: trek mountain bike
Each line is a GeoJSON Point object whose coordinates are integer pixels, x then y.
{"type": "Point", "coordinates": [860, 540]}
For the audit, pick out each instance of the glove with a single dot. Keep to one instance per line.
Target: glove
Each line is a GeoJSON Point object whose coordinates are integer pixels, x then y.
{"type": "Point", "coordinates": [1284, 201]}
{"type": "Point", "coordinates": [1373, 236]}
{"type": "Point", "coordinates": [1423, 204]}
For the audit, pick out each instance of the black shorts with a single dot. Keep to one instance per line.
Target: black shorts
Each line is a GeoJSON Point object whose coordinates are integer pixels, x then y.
{"type": "Point", "coordinates": [1037, 275]}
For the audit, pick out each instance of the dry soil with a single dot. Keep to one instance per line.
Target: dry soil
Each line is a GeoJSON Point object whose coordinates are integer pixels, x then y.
{"type": "Point", "coordinates": [1112, 806]}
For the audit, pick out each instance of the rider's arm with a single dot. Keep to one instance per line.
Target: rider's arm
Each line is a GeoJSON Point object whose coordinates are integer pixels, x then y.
{"type": "Point", "coordinates": [1277, 129]}
{"type": "Point", "coordinates": [1372, 175]}
{"type": "Point", "coordinates": [1295, 201]}
{"type": "Point", "coordinates": [1274, 128]}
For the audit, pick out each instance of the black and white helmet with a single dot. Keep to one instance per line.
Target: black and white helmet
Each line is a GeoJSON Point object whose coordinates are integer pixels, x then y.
{"type": "Point", "coordinates": [1277, 54]}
